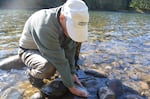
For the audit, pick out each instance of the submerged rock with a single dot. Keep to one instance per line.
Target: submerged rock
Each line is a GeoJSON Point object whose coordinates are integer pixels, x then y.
{"type": "Point", "coordinates": [53, 89]}
{"type": "Point", "coordinates": [95, 74]}
{"type": "Point", "coordinates": [106, 93]}
{"type": "Point", "coordinates": [37, 95]}
{"type": "Point", "coordinates": [13, 62]}
{"type": "Point", "coordinates": [98, 88]}
{"type": "Point", "coordinates": [116, 86]}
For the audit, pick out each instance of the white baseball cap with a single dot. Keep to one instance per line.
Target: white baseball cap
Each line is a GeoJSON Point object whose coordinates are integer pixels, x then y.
{"type": "Point", "coordinates": [77, 18]}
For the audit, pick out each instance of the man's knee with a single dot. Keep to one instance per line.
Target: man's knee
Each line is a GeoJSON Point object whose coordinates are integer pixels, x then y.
{"type": "Point", "coordinates": [38, 65]}
{"type": "Point", "coordinates": [44, 70]}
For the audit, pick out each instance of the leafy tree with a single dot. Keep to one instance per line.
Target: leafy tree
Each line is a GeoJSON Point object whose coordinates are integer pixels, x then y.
{"type": "Point", "coordinates": [140, 4]}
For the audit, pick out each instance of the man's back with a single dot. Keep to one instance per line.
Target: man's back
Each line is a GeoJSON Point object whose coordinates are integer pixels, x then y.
{"type": "Point", "coordinates": [45, 20]}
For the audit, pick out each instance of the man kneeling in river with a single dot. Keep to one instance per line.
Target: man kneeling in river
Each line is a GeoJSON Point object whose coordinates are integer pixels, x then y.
{"type": "Point", "coordinates": [48, 43]}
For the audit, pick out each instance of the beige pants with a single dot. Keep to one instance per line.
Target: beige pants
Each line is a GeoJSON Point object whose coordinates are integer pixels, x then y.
{"type": "Point", "coordinates": [38, 66]}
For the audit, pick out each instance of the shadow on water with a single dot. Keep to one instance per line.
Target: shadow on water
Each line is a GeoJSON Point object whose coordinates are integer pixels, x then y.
{"type": "Point", "coordinates": [119, 45]}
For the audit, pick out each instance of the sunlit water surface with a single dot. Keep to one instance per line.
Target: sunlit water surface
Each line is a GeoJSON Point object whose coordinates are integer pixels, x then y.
{"type": "Point", "coordinates": [114, 37]}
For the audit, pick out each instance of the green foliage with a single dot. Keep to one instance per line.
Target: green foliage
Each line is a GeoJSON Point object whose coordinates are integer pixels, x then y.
{"type": "Point", "coordinates": [92, 4]}
{"type": "Point", "coordinates": [140, 4]}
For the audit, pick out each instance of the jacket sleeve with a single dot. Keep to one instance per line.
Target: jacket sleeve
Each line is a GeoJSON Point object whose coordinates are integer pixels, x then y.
{"type": "Point", "coordinates": [70, 50]}
{"type": "Point", "coordinates": [49, 45]}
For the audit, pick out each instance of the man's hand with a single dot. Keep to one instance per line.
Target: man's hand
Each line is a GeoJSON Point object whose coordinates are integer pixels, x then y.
{"type": "Point", "coordinates": [76, 80]}
{"type": "Point", "coordinates": [78, 92]}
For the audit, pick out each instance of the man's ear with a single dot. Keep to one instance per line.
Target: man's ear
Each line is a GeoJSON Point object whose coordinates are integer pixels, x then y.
{"type": "Point", "coordinates": [62, 17]}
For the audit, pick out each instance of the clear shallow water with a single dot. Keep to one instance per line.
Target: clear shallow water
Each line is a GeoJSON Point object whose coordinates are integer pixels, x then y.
{"type": "Point", "coordinates": [11, 78]}
{"type": "Point", "coordinates": [11, 25]}
{"type": "Point", "coordinates": [119, 40]}
{"type": "Point", "coordinates": [122, 35]}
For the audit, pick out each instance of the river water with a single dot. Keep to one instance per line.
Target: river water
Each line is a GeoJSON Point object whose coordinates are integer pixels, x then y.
{"type": "Point", "coordinates": [119, 44]}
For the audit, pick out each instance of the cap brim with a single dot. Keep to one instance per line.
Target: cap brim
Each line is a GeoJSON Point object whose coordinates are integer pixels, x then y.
{"type": "Point", "coordinates": [77, 34]}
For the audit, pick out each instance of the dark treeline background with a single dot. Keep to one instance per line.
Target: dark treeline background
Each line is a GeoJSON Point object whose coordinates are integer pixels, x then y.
{"type": "Point", "coordinates": [92, 4]}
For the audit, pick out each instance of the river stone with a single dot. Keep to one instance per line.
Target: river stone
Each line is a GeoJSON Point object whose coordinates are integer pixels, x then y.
{"type": "Point", "coordinates": [55, 88]}
{"type": "Point", "coordinates": [12, 62]}
{"type": "Point", "coordinates": [116, 86]}
{"type": "Point", "coordinates": [95, 73]}
{"type": "Point", "coordinates": [98, 88]}
{"type": "Point", "coordinates": [106, 93]}
{"type": "Point", "coordinates": [143, 85]}
{"type": "Point", "coordinates": [37, 95]}
{"type": "Point", "coordinates": [145, 77]}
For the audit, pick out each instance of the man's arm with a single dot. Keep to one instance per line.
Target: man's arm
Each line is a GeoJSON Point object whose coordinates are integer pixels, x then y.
{"type": "Point", "coordinates": [70, 50]}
